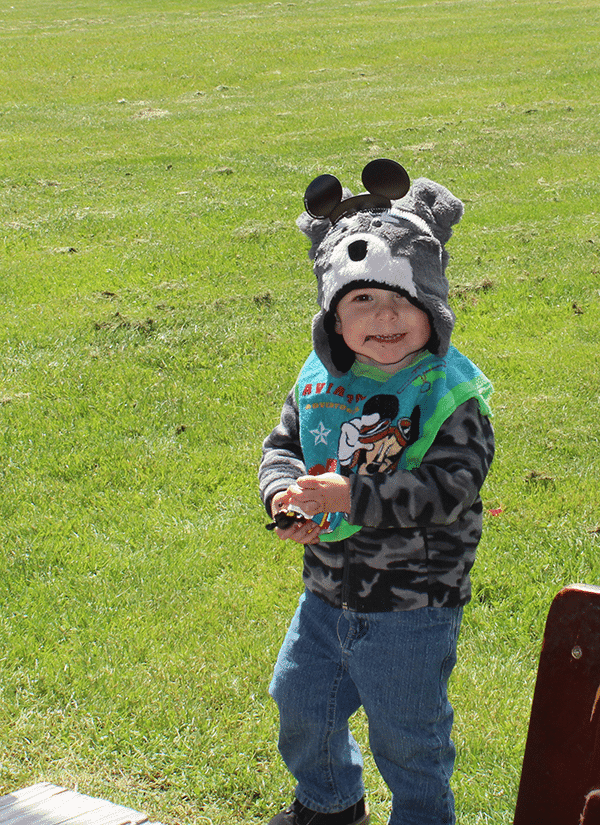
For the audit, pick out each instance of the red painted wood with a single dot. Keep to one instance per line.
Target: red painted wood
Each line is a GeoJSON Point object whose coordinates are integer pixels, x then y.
{"type": "Point", "coordinates": [561, 765]}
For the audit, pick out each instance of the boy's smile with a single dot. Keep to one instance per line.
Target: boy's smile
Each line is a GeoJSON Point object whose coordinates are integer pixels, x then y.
{"type": "Point", "coordinates": [382, 327]}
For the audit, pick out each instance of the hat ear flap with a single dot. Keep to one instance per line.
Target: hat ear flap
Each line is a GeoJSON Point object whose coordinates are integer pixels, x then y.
{"type": "Point", "coordinates": [335, 355]}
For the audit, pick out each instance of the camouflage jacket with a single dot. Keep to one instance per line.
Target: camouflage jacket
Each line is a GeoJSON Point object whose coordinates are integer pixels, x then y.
{"type": "Point", "coordinates": [419, 528]}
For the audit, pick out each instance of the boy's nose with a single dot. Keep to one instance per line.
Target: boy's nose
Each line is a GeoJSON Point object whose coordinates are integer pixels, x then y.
{"type": "Point", "coordinates": [387, 306]}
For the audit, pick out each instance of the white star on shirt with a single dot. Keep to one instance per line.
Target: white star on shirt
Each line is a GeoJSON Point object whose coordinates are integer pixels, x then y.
{"type": "Point", "coordinates": [320, 434]}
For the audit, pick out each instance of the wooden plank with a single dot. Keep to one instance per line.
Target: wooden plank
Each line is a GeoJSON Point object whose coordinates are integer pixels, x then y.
{"type": "Point", "coordinates": [56, 805]}
{"type": "Point", "coordinates": [47, 804]}
{"type": "Point", "coordinates": [27, 794]}
{"type": "Point", "coordinates": [561, 766]}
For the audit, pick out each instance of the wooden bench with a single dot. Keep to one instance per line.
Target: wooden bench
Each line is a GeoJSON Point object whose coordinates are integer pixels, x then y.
{"type": "Point", "coordinates": [560, 777]}
{"type": "Point", "coordinates": [47, 804]}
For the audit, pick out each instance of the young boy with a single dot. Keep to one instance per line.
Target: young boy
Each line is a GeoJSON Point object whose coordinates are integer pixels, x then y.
{"type": "Point", "coordinates": [383, 445]}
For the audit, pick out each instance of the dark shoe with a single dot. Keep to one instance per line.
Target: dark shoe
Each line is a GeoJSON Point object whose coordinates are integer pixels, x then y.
{"type": "Point", "coordinates": [298, 814]}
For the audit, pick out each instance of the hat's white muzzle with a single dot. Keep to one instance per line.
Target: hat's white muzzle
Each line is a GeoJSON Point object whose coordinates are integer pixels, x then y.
{"type": "Point", "coordinates": [365, 258]}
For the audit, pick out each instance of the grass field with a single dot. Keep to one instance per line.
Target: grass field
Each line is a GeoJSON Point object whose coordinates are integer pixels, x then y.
{"type": "Point", "coordinates": [155, 305]}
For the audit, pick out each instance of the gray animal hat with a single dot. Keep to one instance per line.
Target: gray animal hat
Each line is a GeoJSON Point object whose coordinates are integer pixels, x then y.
{"type": "Point", "coordinates": [393, 237]}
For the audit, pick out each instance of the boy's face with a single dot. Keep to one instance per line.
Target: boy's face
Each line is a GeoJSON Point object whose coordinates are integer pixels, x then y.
{"type": "Point", "coordinates": [382, 327]}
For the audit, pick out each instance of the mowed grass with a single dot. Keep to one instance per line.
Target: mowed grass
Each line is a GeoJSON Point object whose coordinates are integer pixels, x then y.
{"type": "Point", "coordinates": [155, 308]}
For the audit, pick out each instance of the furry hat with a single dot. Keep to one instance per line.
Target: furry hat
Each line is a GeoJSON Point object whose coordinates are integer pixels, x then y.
{"type": "Point", "coordinates": [392, 237]}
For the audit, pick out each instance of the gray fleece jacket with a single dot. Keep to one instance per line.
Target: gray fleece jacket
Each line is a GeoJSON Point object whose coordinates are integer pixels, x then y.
{"type": "Point", "coordinates": [419, 528]}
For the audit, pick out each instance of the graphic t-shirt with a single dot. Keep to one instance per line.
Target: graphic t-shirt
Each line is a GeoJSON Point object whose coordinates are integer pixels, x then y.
{"type": "Point", "coordinates": [370, 422]}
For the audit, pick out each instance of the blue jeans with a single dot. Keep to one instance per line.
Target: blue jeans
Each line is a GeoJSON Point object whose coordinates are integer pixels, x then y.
{"type": "Point", "coordinates": [396, 665]}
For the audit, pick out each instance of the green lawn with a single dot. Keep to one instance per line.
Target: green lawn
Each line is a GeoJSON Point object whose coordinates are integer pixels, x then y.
{"type": "Point", "coordinates": [155, 306]}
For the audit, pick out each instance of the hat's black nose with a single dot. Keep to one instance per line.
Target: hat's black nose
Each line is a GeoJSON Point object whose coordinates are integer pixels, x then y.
{"type": "Point", "coordinates": [357, 250]}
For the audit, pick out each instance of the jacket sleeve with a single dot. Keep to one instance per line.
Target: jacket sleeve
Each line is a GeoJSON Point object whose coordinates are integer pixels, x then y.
{"type": "Point", "coordinates": [282, 460]}
{"type": "Point", "coordinates": [441, 489]}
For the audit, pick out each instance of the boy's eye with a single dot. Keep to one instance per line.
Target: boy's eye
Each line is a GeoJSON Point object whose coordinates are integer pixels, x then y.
{"type": "Point", "coordinates": [362, 297]}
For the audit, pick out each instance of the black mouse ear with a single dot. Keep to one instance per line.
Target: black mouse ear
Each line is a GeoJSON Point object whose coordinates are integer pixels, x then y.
{"type": "Point", "coordinates": [322, 196]}
{"type": "Point", "coordinates": [387, 178]}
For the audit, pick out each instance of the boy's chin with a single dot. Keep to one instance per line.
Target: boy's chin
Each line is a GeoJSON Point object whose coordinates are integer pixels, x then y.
{"type": "Point", "coordinates": [390, 363]}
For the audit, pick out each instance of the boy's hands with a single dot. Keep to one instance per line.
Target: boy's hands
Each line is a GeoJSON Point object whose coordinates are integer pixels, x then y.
{"type": "Point", "coordinates": [326, 493]}
{"type": "Point", "coordinates": [304, 531]}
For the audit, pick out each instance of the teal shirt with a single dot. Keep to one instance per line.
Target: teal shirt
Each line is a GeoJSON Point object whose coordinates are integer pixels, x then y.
{"type": "Point", "coordinates": [369, 421]}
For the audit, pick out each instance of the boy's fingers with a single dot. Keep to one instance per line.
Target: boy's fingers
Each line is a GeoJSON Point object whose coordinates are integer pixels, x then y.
{"type": "Point", "coordinates": [302, 534]}
{"type": "Point", "coordinates": [306, 481]}
{"type": "Point", "coordinates": [279, 502]}
{"type": "Point", "coordinates": [309, 534]}
{"type": "Point", "coordinates": [310, 506]}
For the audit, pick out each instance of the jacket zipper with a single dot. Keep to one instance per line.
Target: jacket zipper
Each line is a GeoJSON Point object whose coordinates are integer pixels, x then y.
{"type": "Point", "coordinates": [346, 577]}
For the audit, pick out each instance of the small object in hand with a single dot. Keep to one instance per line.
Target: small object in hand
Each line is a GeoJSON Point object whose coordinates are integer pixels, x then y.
{"type": "Point", "coordinates": [285, 519]}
